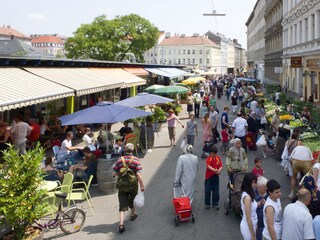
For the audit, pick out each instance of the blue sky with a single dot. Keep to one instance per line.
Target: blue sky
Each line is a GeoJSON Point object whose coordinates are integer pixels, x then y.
{"type": "Point", "coordinates": [175, 16]}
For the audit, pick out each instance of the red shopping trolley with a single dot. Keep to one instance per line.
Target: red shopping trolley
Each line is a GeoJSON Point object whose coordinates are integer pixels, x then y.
{"type": "Point", "coordinates": [182, 207]}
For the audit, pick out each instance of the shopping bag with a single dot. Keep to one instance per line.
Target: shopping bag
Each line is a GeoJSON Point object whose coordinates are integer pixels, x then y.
{"type": "Point", "coordinates": [183, 144]}
{"type": "Point", "coordinates": [138, 201]}
{"type": "Point", "coordinates": [263, 120]}
{"type": "Point", "coordinates": [261, 141]}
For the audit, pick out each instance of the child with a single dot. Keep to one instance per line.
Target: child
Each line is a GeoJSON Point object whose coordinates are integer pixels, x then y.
{"type": "Point", "coordinates": [257, 170]}
{"type": "Point", "coordinates": [225, 140]}
{"type": "Point", "coordinates": [211, 184]}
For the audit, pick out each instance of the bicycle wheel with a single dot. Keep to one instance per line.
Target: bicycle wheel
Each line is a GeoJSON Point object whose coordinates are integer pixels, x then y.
{"type": "Point", "coordinates": [72, 220]}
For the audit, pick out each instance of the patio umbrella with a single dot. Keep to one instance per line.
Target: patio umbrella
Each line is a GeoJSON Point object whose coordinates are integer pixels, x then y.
{"type": "Point", "coordinates": [182, 85]}
{"type": "Point", "coordinates": [104, 112]}
{"type": "Point", "coordinates": [171, 90]}
{"type": "Point", "coordinates": [194, 80]}
{"type": "Point", "coordinates": [143, 99]}
{"type": "Point", "coordinates": [152, 88]}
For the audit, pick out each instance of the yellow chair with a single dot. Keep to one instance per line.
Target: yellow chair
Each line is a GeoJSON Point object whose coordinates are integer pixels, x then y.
{"type": "Point", "coordinates": [80, 194]}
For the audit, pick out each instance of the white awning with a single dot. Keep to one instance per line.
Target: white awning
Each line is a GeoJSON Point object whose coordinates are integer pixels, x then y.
{"type": "Point", "coordinates": [177, 72]}
{"type": "Point", "coordinates": [130, 80]}
{"type": "Point", "coordinates": [20, 88]}
{"type": "Point", "coordinates": [82, 80]}
{"type": "Point", "coordinates": [161, 73]}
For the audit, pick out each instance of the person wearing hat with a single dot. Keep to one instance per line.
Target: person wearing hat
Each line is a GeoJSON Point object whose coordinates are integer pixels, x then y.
{"type": "Point", "coordinates": [172, 120]}
{"type": "Point", "coordinates": [126, 198]}
{"type": "Point", "coordinates": [186, 171]}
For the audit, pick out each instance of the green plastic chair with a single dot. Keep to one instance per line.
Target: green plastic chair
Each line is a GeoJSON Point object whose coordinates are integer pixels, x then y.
{"type": "Point", "coordinates": [52, 205]}
{"type": "Point", "coordinates": [81, 194]}
{"type": "Point", "coordinates": [65, 186]}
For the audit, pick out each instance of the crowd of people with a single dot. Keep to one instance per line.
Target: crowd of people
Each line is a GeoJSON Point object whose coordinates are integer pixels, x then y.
{"type": "Point", "coordinates": [262, 215]}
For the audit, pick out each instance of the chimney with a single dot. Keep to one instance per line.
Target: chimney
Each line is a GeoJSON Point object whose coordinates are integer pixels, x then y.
{"type": "Point", "coordinates": [182, 35]}
{"type": "Point", "coordinates": [195, 35]}
{"type": "Point", "coordinates": [168, 34]}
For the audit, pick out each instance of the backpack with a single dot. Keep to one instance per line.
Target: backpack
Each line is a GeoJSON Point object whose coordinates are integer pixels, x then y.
{"type": "Point", "coordinates": [127, 179]}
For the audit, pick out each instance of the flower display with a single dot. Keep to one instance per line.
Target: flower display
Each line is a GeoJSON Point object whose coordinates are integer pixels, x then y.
{"type": "Point", "coordinates": [285, 117]}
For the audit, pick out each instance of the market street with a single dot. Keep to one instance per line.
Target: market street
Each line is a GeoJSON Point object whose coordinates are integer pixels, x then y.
{"type": "Point", "coordinates": [156, 218]}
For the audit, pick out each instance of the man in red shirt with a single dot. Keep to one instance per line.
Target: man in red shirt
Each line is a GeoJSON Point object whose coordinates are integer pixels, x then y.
{"type": "Point", "coordinates": [214, 168]}
{"type": "Point", "coordinates": [34, 134]}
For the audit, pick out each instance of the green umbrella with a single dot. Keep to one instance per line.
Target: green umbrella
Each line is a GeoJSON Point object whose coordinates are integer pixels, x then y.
{"type": "Point", "coordinates": [182, 85]}
{"type": "Point", "coordinates": [171, 90]}
{"type": "Point", "coordinates": [152, 88]}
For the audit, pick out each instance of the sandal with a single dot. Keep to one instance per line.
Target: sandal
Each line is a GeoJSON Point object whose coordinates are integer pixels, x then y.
{"type": "Point", "coordinates": [121, 228]}
{"type": "Point", "coordinates": [133, 217]}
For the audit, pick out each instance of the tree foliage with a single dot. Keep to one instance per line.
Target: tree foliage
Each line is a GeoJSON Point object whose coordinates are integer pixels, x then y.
{"type": "Point", "coordinates": [113, 40]}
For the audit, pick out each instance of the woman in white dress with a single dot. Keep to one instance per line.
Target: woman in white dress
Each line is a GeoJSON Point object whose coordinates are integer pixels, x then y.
{"type": "Point", "coordinates": [248, 225]}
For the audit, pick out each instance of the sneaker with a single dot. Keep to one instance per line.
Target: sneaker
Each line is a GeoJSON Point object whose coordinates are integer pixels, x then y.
{"type": "Point", "coordinates": [216, 207]}
{"type": "Point", "coordinates": [207, 207]}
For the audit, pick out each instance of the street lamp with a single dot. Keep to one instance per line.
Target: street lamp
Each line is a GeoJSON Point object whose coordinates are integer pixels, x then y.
{"type": "Point", "coordinates": [214, 13]}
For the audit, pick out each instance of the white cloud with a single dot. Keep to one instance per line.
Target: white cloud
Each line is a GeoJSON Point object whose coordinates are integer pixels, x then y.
{"type": "Point", "coordinates": [37, 16]}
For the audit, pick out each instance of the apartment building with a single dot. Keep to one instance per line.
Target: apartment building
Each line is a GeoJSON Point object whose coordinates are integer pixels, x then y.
{"type": "Point", "coordinates": [256, 41]}
{"type": "Point", "coordinates": [273, 40]}
{"type": "Point", "coordinates": [301, 52]}
{"type": "Point", "coordinates": [51, 44]}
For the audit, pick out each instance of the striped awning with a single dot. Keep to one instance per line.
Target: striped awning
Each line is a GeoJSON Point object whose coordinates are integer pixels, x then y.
{"type": "Point", "coordinates": [177, 72]}
{"type": "Point", "coordinates": [137, 71]}
{"type": "Point", "coordinates": [20, 88]}
{"type": "Point", "coordinates": [129, 79]}
{"type": "Point", "coordinates": [82, 80]}
{"type": "Point", "coordinates": [157, 71]}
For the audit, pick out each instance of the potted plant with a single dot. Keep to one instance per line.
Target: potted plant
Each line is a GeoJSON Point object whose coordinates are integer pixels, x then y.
{"type": "Point", "coordinates": [21, 193]}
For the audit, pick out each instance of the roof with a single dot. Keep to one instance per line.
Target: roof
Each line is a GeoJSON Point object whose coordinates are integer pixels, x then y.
{"type": "Point", "coordinates": [46, 39]}
{"type": "Point", "coordinates": [180, 40]}
{"type": "Point", "coordinates": [15, 48]}
{"type": "Point", "coordinates": [8, 31]}
{"type": "Point", "coordinates": [20, 88]}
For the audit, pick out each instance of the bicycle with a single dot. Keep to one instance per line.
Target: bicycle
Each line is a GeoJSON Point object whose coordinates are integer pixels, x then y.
{"type": "Point", "coordinates": [70, 221]}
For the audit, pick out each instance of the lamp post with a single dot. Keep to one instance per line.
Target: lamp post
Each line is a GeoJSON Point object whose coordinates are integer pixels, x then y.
{"type": "Point", "coordinates": [312, 75]}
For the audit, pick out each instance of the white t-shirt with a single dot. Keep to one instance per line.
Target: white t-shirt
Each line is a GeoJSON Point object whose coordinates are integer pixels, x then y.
{"type": "Point", "coordinates": [20, 131]}
{"type": "Point", "coordinates": [317, 166]}
{"type": "Point", "coordinates": [277, 219]}
{"type": "Point", "coordinates": [240, 125]}
{"type": "Point", "coordinates": [277, 97]}
{"type": "Point", "coordinates": [301, 153]}
{"type": "Point", "coordinates": [64, 145]}
{"type": "Point", "coordinates": [87, 140]}
{"type": "Point", "coordinates": [297, 222]}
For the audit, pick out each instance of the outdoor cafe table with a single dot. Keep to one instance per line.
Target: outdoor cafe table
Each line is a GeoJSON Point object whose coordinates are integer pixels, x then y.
{"type": "Point", "coordinates": [49, 185]}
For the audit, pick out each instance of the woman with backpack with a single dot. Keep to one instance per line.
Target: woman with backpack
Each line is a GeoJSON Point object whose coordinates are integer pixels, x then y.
{"type": "Point", "coordinates": [128, 169]}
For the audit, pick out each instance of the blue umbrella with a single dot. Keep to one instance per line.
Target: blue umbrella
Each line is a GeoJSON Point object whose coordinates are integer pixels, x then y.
{"type": "Point", "coordinates": [143, 99]}
{"type": "Point", "coordinates": [104, 112]}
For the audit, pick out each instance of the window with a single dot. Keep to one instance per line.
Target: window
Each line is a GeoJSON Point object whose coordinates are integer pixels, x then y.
{"type": "Point", "coordinates": [188, 52]}
{"type": "Point", "coordinates": [189, 61]}
{"type": "Point", "coordinates": [184, 61]}
{"type": "Point", "coordinates": [193, 61]}
{"type": "Point", "coordinates": [313, 27]}
{"type": "Point", "coordinates": [169, 52]}
{"type": "Point", "coordinates": [193, 52]}
{"type": "Point", "coordinates": [208, 61]}
{"type": "Point", "coordinates": [200, 61]}
{"type": "Point", "coordinates": [179, 52]}
{"type": "Point", "coordinates": [307, 29]}
{"type": "Point", "coordinates": [200, 51]}
{"type": "Point", "coordinates": [184, 52]}
{"type": "Point", "coordinates": [179, 61]}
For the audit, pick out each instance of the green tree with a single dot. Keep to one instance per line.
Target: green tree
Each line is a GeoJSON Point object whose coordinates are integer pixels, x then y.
{"type": "Point", "coordinates": [113, 40]}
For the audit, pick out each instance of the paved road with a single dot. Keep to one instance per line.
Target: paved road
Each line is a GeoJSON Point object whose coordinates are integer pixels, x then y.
{"type": "Point", "coordinates": [156, 218]}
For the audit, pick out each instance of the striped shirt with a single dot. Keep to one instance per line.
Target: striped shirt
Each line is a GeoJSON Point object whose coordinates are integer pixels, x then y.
{"type": "Point", "coordinates": [135, 165]}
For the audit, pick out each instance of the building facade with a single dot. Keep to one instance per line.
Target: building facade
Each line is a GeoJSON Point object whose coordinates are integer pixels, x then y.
{"type": "Point", "coordinates": [51, 44]}
{"type": "Point", "coordinates": [273, 41]}
{"type": "Point", "coordinates": [301, 52]}
{"type": "Point", "coordinates": [256, 41]}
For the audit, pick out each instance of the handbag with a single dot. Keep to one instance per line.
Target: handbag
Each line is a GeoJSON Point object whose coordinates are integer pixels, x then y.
{"type": "Point", "coordinates": [263, 120]}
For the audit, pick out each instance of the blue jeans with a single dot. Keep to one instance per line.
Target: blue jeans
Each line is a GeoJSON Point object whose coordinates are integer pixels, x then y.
{"type": "Point", "coordinates": [211, 185]}
{"type": "Point", "coordinates": [190, 139]}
